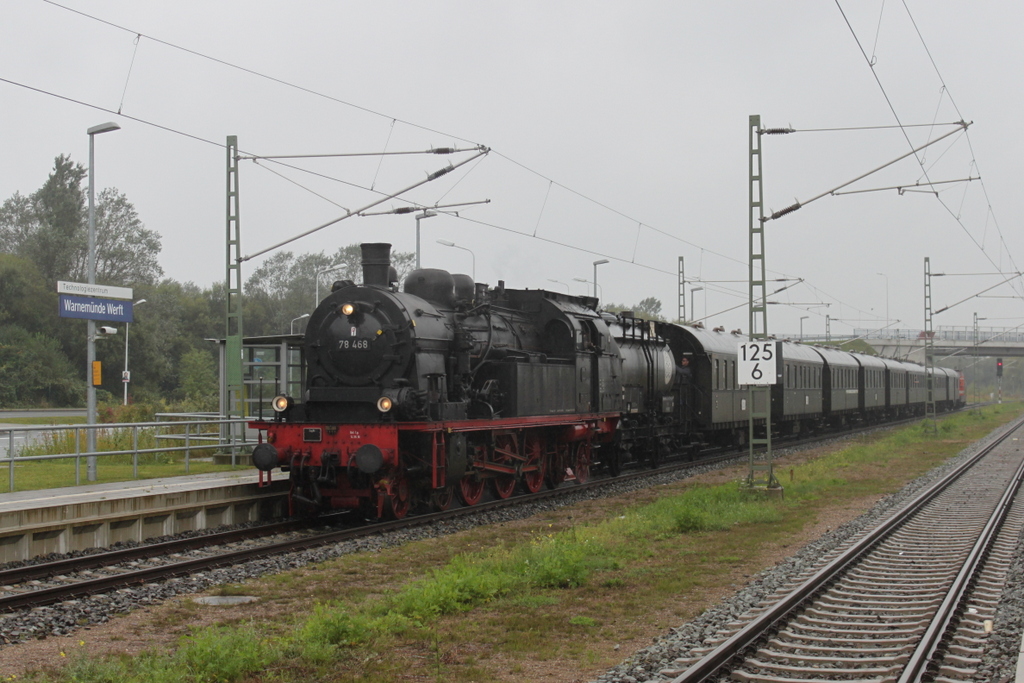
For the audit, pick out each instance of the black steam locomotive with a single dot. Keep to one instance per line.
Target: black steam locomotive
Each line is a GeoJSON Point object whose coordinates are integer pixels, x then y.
{"type": "Point", "coordinates": [414, 396]}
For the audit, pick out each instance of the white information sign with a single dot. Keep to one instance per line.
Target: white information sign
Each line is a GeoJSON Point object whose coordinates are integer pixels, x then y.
{"type": "Point", "coordinates": [756, 362]}
{"type": "Point", "coordinates": [97, 291]}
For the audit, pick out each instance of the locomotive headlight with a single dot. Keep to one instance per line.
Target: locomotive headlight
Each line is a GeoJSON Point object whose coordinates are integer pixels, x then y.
{"type": "Point", "coordinates": [282, 403]}
{"type": "Point", "coordinates": [384, 404]}
{"type": "Point", "coordinates": [348, 309]}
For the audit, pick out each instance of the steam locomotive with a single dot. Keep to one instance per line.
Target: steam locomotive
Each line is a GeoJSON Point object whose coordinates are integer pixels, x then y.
{"type": "Point", "coordinates": [449, 386]}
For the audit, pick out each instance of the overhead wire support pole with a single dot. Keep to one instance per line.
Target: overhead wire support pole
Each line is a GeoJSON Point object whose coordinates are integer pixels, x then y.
{"type": "Point", "coordinates": [682, 291]}
{"type": "Point", "coordinates": [798, 205]}
{"type": "Point", "coordinates": [233, 397]}
{"type": "Point", "coordinates": [759, 397]}
{"type": "Point", "coordinates": [929, 343]}
{"type": "Point", "coordinates": [431, 177]}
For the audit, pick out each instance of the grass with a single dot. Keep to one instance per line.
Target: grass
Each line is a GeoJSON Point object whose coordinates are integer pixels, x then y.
{"type": "Point", "coordinates": [559, 590]}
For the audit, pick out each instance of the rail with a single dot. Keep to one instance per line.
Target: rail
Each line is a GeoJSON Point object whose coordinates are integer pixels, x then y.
{"type": "Point", "coordinates": [166, 437]}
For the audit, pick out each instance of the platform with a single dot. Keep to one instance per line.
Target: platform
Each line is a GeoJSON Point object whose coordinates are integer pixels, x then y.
{"type": "Point", "coordinates": [34, 523]}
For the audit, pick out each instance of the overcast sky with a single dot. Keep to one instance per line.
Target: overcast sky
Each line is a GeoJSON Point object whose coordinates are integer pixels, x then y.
{"type": "Point", "coordinates": [618, 130]}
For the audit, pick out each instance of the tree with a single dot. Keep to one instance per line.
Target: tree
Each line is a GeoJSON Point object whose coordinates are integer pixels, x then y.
{"type": "Point", "coordinates": [51, 229]}
{"type": "Point", "coordinates": [47, 227]}
{"type": "Point", "coordinates": [285, 285]}
{"type": "Point", "coordinates": [26, 299]}
{"type": "Point", "coordinates": [649, 309]}
{"type": "Point", "coordinates": [199, 380]}
{"type": "Point", "coordinates": [34, 371]}
{"type": "Point", "coordinates": [126, 252]}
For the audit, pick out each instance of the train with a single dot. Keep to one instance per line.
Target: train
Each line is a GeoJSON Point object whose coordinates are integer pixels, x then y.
{"type": "Point", "coordinates": [445, 387]}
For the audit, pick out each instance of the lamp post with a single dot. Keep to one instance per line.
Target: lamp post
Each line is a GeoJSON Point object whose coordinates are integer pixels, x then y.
{"type": "Point", "coordinates": [886, 299]}
{"type": "Point", "coordinates": [452, 244]}
{"type": "Point", "coordinates": [597, 287]}
{"type": "Point", "coordinates": [325, 270]}
{"type": "Point", "coordinates": [693, 309]}
{"type": "Point", "coordinates": [559, 282]}
{"type": "Point", "coordinates": [304, 315]}
{"type": "Point", "coordinates": [426, 214]}
{"type": "Point", "coordinates": [802, 319]}
{"type": "Point", "coordinates": [90, 326]}
{"type": "Point", "coordinates": [124, 378]}
{"type": "Point", "coordinates": [596, 264]}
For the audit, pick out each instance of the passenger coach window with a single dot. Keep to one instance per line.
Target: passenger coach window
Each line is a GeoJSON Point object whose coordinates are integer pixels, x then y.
{"type": "Point", "coordinates": [716, 374]}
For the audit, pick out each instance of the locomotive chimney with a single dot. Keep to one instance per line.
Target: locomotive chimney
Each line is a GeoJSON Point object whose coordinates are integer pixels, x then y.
{"type": "Point", "coordinates": [376, 263]}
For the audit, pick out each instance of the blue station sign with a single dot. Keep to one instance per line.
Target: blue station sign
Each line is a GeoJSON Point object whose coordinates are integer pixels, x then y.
{"type": "Point", "coordinates": [91, 308]}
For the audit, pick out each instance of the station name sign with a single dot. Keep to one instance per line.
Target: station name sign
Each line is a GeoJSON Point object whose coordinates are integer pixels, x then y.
{"type": "Point", "coordinates": [94, 302]}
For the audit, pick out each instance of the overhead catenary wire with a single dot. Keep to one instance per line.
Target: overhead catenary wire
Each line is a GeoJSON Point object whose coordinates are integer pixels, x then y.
{"type": "Point", "coordinates": [871, 64]}
{"type": "Point", "coordinates": [283, 82]}
{"type": "Point", "coordinates": [349, 214]}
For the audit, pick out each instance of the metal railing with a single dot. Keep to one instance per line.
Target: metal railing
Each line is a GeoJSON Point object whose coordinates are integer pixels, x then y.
{"type": "Point", "coordinates": [180, 434]}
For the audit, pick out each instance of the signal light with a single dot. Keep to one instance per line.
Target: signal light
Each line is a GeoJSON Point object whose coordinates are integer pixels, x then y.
{"type": "Point", "coordinates": [999, 367]}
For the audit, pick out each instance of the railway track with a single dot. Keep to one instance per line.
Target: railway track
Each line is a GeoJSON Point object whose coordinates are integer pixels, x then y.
{"type": "Point", "coordinates": [48, 583]}
{"type": "Point", "coordinates": [910, 600]}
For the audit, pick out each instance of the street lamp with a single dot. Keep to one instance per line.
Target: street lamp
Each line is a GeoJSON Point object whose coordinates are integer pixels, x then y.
{"type": "Point", "coordinates": [125, 376]}
{"type": "Point", "coordinates": [426, 214]}
{"type": "Point", "coordinates": [325, 270]}
{"type": "Point", "coordinates": [452, 244]}
{"type": "Point", "coordinates": [886, 298]}
{"type": "Point", "coordinates": [90, 326]}
{"type": "Point", "coordinates": [693, 308]}
{"type": "Point", "coordinates": [597, 287]}
{"type": "Point", "coordinates": [802, 319]}
{"type": "Point", "coordinates": [596, 264]}
{"type": "Point", "coordinates": [559, 282]}
{"type": "Point", "coordinates": [304, 315]}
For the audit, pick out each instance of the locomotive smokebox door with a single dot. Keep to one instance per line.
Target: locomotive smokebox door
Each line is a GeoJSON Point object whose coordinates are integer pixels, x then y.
{"type": "Point", "coordinates": [457, 458]}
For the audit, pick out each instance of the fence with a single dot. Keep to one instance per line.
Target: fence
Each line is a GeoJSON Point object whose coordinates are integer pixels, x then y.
{"type": "Point", "coordinates": [174, 433]}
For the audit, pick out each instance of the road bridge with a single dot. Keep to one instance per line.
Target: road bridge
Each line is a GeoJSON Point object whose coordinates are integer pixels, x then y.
{"type": "Point", "coordinates": [994, 342]}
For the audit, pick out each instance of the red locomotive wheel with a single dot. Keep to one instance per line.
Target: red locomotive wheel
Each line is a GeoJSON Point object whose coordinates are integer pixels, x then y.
{"type": "Point", "coordinates": [504, 485]}
{"type": "Point", "coordinates": [582, 463]}
{"type": "Point", "coordinates": [533, 479]}
{"type": "Point", "coordinates": [471, 489]}
{"type": "Point", "coordinates": [396, 504]}
{"type": "Point", "coordinates": [441, 499]}
{"type": "Point", "coordinates": [556, 473]}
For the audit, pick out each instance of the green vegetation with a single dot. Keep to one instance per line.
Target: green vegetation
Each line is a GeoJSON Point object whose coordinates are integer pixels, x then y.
{"type": "Point", "coordinates": [44, 238]}
{"type": "Point", "coordinates": [453, 608]}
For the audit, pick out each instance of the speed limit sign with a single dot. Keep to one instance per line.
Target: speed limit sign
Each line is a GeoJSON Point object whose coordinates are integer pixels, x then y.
{"type": "Point", "coordinates": [756, 362]}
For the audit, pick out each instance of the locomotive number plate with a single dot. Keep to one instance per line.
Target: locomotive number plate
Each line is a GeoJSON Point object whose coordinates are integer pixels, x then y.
{"type": "Point", "coordinates": [358, 344]}
{"type": "Point", "coordinates": [312, 435]}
